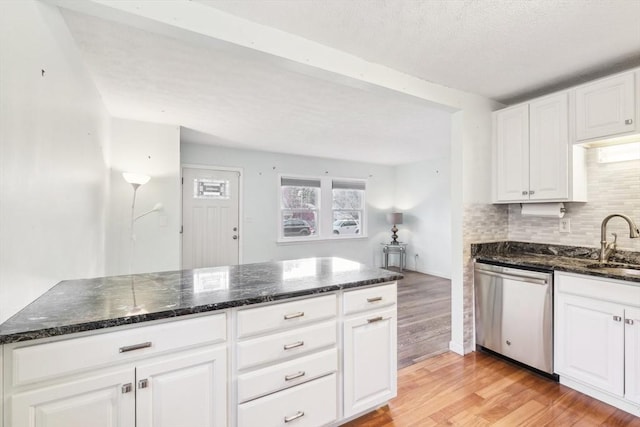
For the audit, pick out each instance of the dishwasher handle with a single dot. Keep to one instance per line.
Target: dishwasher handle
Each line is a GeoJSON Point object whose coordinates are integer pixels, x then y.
{"type": "Point", "coordinates": [518, 277]}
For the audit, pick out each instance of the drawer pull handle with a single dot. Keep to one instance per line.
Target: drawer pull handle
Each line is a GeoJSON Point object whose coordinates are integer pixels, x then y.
{"type": "Point", "coordinates": [293, 315]}
{"type": "Point", "coordinates": [293, 345]}
{"type": "Point", "coordinates": [374, 299]}
{"type": "Point", "coordinates": [135, 347]}
{"type": "Point", "coordinates": [375, 319]}
{"type": "Point", "coordinates": [294, 376]}
{"type": "Point", "coordinates": [294, 417]}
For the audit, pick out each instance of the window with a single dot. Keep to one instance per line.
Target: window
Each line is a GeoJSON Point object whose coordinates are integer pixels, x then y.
{"type": "Point", "coordinates": [299, 206]}
{"type": "Point", "coordinates": [303, 216]}
{"type": "Point", "coordinates": [348, 207]}
{"type": "Point", "coordinates": [204, 188]}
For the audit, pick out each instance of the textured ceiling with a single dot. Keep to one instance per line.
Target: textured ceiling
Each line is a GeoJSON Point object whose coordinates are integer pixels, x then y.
{"type": "Point", "coordinates": [502, 49]}
{"type": "Point", "coordinates": [241, 100]}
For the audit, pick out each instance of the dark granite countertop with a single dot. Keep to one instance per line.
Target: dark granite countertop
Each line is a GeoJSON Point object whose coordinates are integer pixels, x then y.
{"type": "Point", "coordinates": [88, 304]}
{"type": "Point", "coordinates": [573, 259]}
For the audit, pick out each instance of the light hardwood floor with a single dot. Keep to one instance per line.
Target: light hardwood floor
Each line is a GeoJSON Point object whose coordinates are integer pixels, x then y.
{"type": "Point", "coordinates": [424, 317]}
{"type": "Point", "coordinates": [482, 390]}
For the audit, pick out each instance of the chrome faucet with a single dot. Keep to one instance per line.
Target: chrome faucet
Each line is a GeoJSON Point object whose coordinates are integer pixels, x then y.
{"type": "Point", "coordinates": [606, 249]}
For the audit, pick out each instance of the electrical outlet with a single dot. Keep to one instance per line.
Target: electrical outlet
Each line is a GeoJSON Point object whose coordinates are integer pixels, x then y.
{"type": "Point", "coordinates": [565, 225]}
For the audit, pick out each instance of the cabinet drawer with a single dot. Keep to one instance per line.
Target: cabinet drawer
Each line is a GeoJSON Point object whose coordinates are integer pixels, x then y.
{"type": "Point", "coordinates": [273, 378]}
{"type": "Point", "coordinates": [287, 344]}
{"type": "Point", "coordinates": [598, 288]}
{"type": "Point", "coordinates": [275, 317]}
{"type": "Point", "coordinates": [43, 361]}
{"type": "Point", "coordinates": [369, 298]}
{"type": "Point", "coordinates": [311, 404]}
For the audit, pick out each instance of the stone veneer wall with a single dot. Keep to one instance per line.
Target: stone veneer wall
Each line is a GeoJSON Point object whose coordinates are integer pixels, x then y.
{"type": "Point", "coordinates": [612, 188]}
{"type": "Point", "coordinates": [482, 223]}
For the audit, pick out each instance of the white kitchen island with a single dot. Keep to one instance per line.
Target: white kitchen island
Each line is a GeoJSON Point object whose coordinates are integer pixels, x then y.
{"type": "Point", "coordinates": [304, 342]}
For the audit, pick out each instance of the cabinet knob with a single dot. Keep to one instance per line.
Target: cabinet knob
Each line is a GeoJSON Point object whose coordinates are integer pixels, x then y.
{"type": "Point", "coordinates": [126, 388]}
{"type": "Point", "coordinates": [524, 193]}
{"type": "Point", "coordinates": [531, 193]}
{"type": "Point", "coordinates": [628, 321]}
{"type": "Point", "coordinates": [143, 383]}
{"type": "Point", "coordinates": [628, 122]}
{"type": "Point", "coordinates": [617, 318]}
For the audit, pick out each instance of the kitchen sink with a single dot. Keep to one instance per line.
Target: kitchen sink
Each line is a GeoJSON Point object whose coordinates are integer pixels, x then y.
{"type": "Point", "coordinates": [617, 268]}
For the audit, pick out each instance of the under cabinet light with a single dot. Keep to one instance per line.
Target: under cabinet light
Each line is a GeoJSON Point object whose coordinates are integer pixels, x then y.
{"type": "Point", "coordinates": [619, 153]}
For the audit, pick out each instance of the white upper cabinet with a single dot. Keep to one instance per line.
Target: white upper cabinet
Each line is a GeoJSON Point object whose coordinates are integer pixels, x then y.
{"type": "Point", "coordinates": [533, 154]}
{"type": "Point", "coordinates": [549, 148]}
{"type": "Point", "coordinates": [606, 108]}
{"type": "Point", "coordinates": [512, 153]}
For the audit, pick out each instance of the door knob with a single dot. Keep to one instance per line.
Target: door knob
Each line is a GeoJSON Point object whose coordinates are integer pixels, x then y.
{"type": "Point", "coordinates": [235, 237]}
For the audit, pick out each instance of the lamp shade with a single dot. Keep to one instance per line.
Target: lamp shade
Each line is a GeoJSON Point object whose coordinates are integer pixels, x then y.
{"type": "Point", "coordinates": [394, 218]}
{"type": "Point", "coordinates": [136, 178]}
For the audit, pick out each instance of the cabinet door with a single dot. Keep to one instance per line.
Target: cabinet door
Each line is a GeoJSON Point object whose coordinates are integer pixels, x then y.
{"type": "Point", "coordinates": [189, 389]}
{"type": "Point", "coordinates": [632, 355]}
{"type": "Point", "coordinates": [590, 342]}
{"type": "Point", "coordinates": [549, 148]}
{"type": "Point", "coordinates": [606, 107]}
{"type": "Point", "coordinates": [370, 360]}
{"type": "Point", "coordinates": [512, 153]}
{"type": "Point", "coordinates": [100, 401]}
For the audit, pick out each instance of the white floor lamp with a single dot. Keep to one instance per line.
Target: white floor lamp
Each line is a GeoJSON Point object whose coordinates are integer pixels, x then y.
{"type": "Point", "coordinates": [136, 180]}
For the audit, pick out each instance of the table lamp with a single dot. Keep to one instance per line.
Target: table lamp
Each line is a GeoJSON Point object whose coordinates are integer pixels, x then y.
{"type": "Point", "coordinates": [394, 218]}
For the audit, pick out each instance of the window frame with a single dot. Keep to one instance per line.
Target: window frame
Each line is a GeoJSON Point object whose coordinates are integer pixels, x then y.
{"type": "Point", "coordinates": [325, 211]}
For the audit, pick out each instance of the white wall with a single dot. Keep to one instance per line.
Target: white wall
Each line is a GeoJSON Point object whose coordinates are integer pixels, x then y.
{"type": "Point", "coordinates": [53, 178]}
{"type": "Point", "coordinates": [154, 150]}
{"type": "Point", "coordinates": [423, 194]}
{"type": "Point", "coordinates": [260, 172]}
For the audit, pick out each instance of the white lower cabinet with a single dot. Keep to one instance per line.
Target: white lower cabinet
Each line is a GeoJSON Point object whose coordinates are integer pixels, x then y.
{"type": "Point", "coordinates": [370, 360]}
{"type": "Point", "coordinates": [157, 381]}
{"type": "Point", "coordinates": [184, 390]}
{"type": "Point", "coordinates": [597, 338]}
{"type": "Point", "coordinates": [98, 401]}
{"type": "Point", "coordinates": [369, 348]}
{"type": "Point", "coordinates": [315, 365]}
{"type": "Point", "coordinates": [592, 348]}
{"type": "Point", "coordinates": [632, 355]}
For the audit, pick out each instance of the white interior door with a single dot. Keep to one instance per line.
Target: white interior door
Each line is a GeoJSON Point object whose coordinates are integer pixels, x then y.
{"type": "Point", "coordinates": [210, 218]}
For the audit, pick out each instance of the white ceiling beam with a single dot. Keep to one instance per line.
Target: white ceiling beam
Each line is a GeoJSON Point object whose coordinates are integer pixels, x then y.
{"type": "Point", "coordinates": [196, 22]}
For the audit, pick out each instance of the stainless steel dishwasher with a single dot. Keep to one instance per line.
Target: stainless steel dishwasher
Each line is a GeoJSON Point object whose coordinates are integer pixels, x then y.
{"type": "Point", "coordinates": [514, 314]}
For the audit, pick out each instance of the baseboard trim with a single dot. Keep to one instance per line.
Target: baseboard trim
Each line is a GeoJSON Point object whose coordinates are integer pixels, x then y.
{"type": "Point", "coordinates": [456, 348]}
{"type": "Point", "coordinates": [605, 397]}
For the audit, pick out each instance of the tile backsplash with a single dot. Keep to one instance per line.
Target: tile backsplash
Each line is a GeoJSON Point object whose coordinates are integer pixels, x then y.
{"type": "Point", "coordinates": [612, 188]}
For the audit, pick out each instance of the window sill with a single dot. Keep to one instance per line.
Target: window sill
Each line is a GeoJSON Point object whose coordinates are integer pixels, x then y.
{"type": "Point", "coordinates": [297, 241]}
